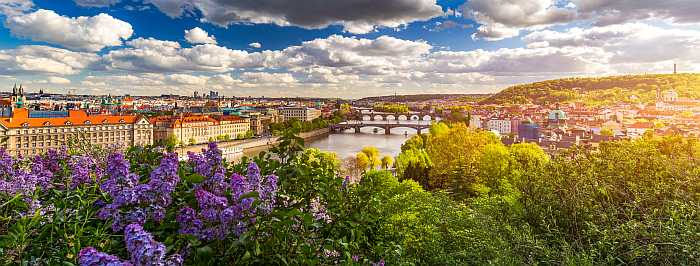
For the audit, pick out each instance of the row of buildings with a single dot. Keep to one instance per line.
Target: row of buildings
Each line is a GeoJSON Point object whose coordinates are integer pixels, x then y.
{"type": "Point", "coordinates": [561, 126]}
{"type": "Point", "coordinates": [27, 132]}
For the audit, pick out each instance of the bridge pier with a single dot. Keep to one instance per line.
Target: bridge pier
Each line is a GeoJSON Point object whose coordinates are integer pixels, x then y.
{"type": "Point", "coordinates": [387, 130]}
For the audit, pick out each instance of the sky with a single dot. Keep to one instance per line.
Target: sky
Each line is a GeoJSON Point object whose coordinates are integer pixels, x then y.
{"type": "Point", "coordinates": [336, 48]}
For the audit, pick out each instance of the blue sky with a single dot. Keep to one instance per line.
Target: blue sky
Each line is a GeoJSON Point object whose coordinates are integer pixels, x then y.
{"type": "Point", "coordinates": [349, 48]}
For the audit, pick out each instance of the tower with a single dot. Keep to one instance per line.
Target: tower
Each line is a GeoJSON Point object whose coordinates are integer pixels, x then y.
{"type": "Point", "coordinates": [674, 69]}
{"type": "Point", "coordinates": [18, 99]}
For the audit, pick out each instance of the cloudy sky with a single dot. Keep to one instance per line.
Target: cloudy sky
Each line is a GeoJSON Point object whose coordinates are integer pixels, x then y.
{"type": "Point", "coordinates": [344, 48]}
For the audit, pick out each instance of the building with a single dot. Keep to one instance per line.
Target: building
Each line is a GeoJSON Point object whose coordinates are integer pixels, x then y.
{"type": "Point", "coordinates": [299, 113]}
{"type": "Point", "coordinates": [529, 130]}
{"type": "Point", "coordinates": [31, 133]}
{"type": "Point", "coordinates": [18, 98]}
{"type": "Point", "coordinates": [639, 128]}
{"type": "Point", "coordinates": [197, 129]}
{"type": "Point", "coordinates": [502, 125]}
{"type": "Point", "coordinates": [556, 119]}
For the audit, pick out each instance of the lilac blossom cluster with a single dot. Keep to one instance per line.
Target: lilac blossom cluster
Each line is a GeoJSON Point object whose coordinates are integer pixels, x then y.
{"type": "Point", "coordinates": [223, 207]}
{"type": "Point", "coordinates": [82, 167]}
{"type": "Point", "coordinates": [143, 250]}
{"type": "Point", "coordinates": [19, 176]}
{"type": "Point", "coordinates": [132, 201]}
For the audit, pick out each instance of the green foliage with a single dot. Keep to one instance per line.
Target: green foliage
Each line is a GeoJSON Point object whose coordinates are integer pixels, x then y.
{"type": "Point", "coordinates": [627, 202]}
{"type": "Point", "coordinates": [599, 91]}
{"type": "Point", "coordinates": [305, 126]}
{"type": "Point", "coordinates": [391, 108]}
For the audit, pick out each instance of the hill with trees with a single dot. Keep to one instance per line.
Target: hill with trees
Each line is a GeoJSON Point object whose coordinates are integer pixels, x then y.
{"type": "Point", "coordinates": [597, 91]}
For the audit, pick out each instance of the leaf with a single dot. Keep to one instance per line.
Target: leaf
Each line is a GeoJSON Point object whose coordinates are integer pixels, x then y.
{"type": "Point", "coordinates": [195, 178]}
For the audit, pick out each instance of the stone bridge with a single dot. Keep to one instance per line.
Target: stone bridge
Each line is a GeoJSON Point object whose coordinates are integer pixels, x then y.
{"type": "Point", "coordinates": [382, 116]}
{"type": "Point", "coordinates": [339, 128]}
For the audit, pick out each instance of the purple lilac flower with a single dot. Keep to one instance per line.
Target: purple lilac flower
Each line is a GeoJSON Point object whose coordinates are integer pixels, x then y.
{"type": "Point", "coordinates": [15, 179]}
{"type": "Point", "coordinates": [42, 175]}
{"type": "Point", "coordinates": [238, 186]}
{"type": "Point", "coordinates": [379, 263]}
{"type": "Point", "coordinates": [268, 193]}
{"type": "Point", "coordinates": [318, 210]}
{"type": "Point", "coordinates": [143, 250]}
{"type": "Point", "coordinates": [120, 176]}
{"type": "Point", "coordinates": [253, 177]}
{"type": "Point", "coordinates": [6, 163]}
{"type": "Point", "coordinates": [89, 256]}
{"type": "Point", "coordinates": [81, 166]}
{"type": "Point", "coordinates": [218, 213]}
{"type": "Point", "coordinates": [53, 157]}
{"type": "Point", "coordinates": [355, 258]}
{"type": "Point", "coordinates": [189, 223]}
{"type": "Point", "coordinates": [136, 203]}
{"type": "Point", "coordinates": [346, 181]}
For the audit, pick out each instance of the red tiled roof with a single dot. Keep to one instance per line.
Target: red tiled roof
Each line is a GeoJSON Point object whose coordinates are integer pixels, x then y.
{"type": "Point", "coordinates": [20, 118]}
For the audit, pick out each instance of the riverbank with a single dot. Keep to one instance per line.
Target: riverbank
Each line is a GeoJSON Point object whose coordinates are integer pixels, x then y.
{"type": "Point", "coordinates": [255, 146]}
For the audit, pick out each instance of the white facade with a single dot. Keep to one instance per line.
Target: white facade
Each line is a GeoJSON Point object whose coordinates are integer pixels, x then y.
{"type": "Point", "coordinates": [299, 113]}
{"type": "Point", "coordinates": [503, 126]}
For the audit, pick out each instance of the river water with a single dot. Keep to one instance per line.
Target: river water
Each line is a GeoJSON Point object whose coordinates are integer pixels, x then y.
{"type": "Point", "coordinates": [349, 144]}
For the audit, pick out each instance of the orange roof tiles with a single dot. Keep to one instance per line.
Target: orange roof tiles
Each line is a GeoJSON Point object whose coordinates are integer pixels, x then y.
{"type": "Point", "coordinates": [20, 118]}
{"type": "Point", "coordinates": [177, 121]}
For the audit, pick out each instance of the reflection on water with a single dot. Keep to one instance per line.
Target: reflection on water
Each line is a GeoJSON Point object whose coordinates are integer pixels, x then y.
{"type": "Point", "coordinates": [349, 144]}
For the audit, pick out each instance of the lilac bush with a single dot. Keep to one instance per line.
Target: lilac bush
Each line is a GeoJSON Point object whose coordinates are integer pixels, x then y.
{"type": "Point", "coordinates": [143, 250]}
{"type": "Point", "coordinates": [223, 207]}
{"type": "Point", "coordinates": [133, 202]}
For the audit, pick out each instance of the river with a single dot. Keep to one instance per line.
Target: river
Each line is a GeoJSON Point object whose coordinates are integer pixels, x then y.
{"type": "Point", "coordinates": [349, 144]}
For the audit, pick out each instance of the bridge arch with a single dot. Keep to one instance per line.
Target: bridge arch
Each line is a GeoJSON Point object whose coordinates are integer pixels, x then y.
{"type": "Point", "coordinates": [427, 118]}
{"type": "Point", "coordinates": [380, 130]}
{"type": "Point", "coordinates": [366, 118]}
{"type": "Point", "coordinates": [402, 118]}
{"type": "Point", "coordinates": [415, 118]}
{"type": "Point", "coordinates": [404, 129]}
{"type": "Point", "coordinates": [378, 118]}
{"type": "Point", "coordinates": [390, 117]}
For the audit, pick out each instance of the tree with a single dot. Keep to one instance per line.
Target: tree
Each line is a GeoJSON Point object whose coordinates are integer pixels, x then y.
{"type": "Point", "coordinates": [387, 162]}
{"type": "Point", "coordinates": [456, 152]}
{"type": "Point", "coordinates": [193, 141]}
{"type": "Point", "coordinates": [373, 156]}
{"type": "Point", "coordinates": [607, 132]}
{"type": "Point", "coordinates": [362, 161]}
{"type": "Point", "coordinates": [414, 164]}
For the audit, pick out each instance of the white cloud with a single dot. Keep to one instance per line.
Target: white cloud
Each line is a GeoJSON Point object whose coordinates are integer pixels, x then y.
{"type": "Point", "coordinates": [151, 55]}
{"type": "Point", "coordinates": [58, 80]}
{"type": "Point", "coordinates": [356, 16]}
{"type": "Point", "coordinates": [628, 43]}
{"type": "Point", "coordinates": [198, 36]}
{"type": "Point", "coordinates": [96, 3]}
{"type": "Point", "coordinates": [265, 77]}
{"type": "Point", "coordinates": [255, 45]}
{"type": "Point", "coordinates": [79, 33]}
{"type": "Point", "coordinates": [30, 59]}
{"type": "Point", "coordinates": [502, 19]}
{"type": "Point", "coordinates": [607, 12]}
{"type": "Point", "coordinates": [187, 79]}
{"type": "Point", "coordinates": [15, 7]}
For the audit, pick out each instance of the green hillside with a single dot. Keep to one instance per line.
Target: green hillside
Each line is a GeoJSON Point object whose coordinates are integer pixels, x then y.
{"type": "Point", "coordinates": [598, 91]}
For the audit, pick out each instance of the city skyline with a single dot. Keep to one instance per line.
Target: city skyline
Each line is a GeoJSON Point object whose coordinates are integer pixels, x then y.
{"type": "Point", "coordinates": [274, 48]}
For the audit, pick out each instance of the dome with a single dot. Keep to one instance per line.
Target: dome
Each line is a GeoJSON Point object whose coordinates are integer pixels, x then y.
{"type": "Point", "coordinates": [556, 115]}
